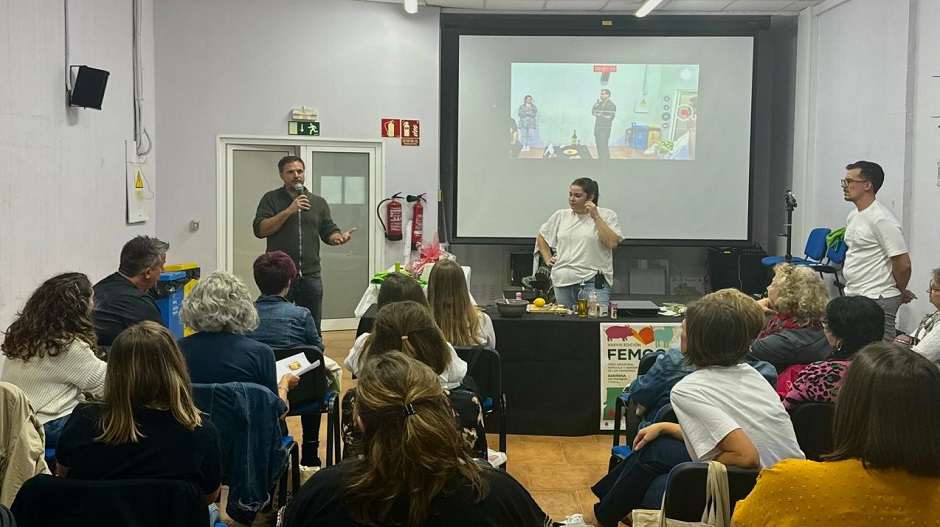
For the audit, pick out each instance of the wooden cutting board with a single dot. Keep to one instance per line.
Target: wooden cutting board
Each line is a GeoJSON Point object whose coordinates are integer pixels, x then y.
{"type": "Point", "coordinates": [547, 308]}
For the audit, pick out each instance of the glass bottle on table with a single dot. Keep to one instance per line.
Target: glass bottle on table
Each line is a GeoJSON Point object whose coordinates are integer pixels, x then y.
{"type": "Point", "coordinates": [583, 303]}
{"type": "Point", "coordinates": [593, 307]}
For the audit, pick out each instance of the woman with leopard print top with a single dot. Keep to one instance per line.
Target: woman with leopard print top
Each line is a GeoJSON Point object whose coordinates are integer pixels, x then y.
{"type": "Point", "coordinates": [851, 323]}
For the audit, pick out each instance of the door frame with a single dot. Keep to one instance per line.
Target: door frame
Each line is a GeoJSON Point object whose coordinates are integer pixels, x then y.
{"type": "Point", "coordinates": [224, 213]}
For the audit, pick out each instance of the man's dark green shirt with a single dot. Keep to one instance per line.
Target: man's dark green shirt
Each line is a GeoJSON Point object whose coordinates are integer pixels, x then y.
{"type": "Point", "coordinates": [316, 222]}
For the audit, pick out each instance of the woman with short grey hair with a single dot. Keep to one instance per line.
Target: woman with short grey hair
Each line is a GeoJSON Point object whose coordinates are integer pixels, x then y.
{"type": "Point", "coordinates": [220, 302]}
{"type": "Point", "coordinates": [220, 309]}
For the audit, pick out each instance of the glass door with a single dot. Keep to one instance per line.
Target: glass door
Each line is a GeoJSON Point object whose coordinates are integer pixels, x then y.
{"type": "Point", "coordinates": [346, 174]}
{"type": "Point", "coordinates": [343, 179]}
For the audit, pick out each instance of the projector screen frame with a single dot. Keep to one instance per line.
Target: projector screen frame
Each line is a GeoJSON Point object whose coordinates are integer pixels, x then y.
{"type": "Point", "coordinates": [453, 26]}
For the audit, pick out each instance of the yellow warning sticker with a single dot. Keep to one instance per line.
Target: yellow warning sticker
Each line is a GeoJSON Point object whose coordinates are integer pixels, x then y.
{"type": "Point", "coordinates": [139, 182]}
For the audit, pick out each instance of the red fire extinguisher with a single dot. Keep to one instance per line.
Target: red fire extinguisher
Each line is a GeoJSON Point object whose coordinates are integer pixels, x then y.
{"type": "Point", "coordinates": [417, 215]}
{"type": "Point", "coordinates": [393, 217]}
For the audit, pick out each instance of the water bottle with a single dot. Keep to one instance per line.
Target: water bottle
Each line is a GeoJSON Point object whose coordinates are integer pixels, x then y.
{"type": "Point", "coordinates": [593, 307]}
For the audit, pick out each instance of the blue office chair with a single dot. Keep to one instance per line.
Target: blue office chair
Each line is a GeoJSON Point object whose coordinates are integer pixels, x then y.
{"type": "Point", "coordinates": [814, 252]}
{"type": "Point", "coordinates": [835, 257]}
{"type": "Point", "coordinates": [312, 397]}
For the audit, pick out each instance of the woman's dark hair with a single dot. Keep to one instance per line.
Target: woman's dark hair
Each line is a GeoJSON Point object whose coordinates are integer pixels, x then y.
{"type": "Point", "coordinates": [273, 272]}
{"type": "Point", "coordinates": [54, 315]}
{"type": "Point", "coordinates": [408, 327]}
{"type": "Point", "coordinates": [719, 328]}
{"type": "Point", "coordinates": [398, 287]}
{"type": "Point", "coordinates": [856, 321]}
{"type": "Point", "coordinates": [413, 449]}
{"type": "Point", "coordinates": [589, 186]}
{"type": "Point", "coordinates": [888, 412]}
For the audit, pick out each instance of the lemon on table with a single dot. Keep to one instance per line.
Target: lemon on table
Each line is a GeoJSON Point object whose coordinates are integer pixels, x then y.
{"type": "Point", "coordinates": [538, 302]}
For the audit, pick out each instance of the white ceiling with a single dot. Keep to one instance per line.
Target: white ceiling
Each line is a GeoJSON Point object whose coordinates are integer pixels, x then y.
{"type": "Point", "coordinates": [765, 7]}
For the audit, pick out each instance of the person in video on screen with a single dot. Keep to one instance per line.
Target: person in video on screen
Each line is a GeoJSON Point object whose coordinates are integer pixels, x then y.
{"type": "Point", "coordinates": [603, 111]}
{"type": "Point", "coordinates": [514, 146]}
{"type": "Point", "coordinates": [584, 237]}
{"type": "Point", "coordinates": [528, 122]}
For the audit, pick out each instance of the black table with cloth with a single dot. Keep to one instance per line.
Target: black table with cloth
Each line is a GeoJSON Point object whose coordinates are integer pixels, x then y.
{"type": "Point", "coordinates": [551, 369]}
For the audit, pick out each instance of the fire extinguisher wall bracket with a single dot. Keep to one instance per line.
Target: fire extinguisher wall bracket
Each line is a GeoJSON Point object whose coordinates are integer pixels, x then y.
{"type": "Point", "coordinates": [417, 216]}
{"type": "Point", "coordinates": [393, 217]}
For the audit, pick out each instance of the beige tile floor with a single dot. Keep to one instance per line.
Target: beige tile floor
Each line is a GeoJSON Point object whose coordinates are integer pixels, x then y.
{"type": "Point", "coordinates": [557, 471]}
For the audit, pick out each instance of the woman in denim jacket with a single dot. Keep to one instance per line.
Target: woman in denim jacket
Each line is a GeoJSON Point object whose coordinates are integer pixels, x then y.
{"type": "Point", "coordinates": [282, 323]}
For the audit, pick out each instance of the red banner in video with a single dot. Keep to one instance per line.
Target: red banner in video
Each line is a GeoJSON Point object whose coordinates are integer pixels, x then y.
{"type": "Point", "coordinates": [605, 69]}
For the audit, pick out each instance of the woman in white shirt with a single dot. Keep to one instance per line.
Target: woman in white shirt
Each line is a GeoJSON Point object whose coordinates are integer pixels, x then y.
{"type": "Point", "coordinates": [584, 237]}
{"type": "Point", "coordinates": [926, 338]}
{"type": "Point", "coordinates": [727, 412]}
{"type": "Point", "coordinates": [50, 351]}
{"type": "Point", "coordinates": [462, 323]}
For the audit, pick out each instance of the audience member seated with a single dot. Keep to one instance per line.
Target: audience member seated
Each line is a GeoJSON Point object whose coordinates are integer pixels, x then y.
{"type": "Point", "coordinates": [281, 323]}
{"type": "Point", "coordinates": [50, 351]}
{"type": "Point", "coordinates": [924, 339]}
{"type": "Point", "coordinates": [408, 327]}
{"type": "Point", "coordinates": [219, 307]}
{"type": "Point", "coordinates": [121, 299]}
{"type": "Point", "coordinates": [147, 425]}
{"type": "Point", "coordinates": [727, 412]}
{"type": "Point", "coordinates": [796, 300]}
{"type": "Point", "coordinates": [396, 287]}
{"type": "Point", "coordinates": [650, 391]}
{"type": "Point", "coordinates": [852, 322]}
{"type": "Point", "coordinates": [885, 464]}
{"type": "Point", "coordinates": [462, 323]}
{"type": "Point", "coordinates": [21, 441]}
{"type": "Point", "coordinates": [414, 470]}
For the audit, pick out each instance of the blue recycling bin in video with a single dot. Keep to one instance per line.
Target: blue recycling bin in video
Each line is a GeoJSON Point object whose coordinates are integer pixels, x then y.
{"type": "Point", "coordinates": [169, 297]}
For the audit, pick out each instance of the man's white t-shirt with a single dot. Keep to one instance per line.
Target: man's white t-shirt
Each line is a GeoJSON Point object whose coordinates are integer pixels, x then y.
{"type": "Point", "coordinates": [873, 237]}
{"type": "Point", "coordinates": [581, 255]}
{"type": "Point", "coordinates": [713, 402]}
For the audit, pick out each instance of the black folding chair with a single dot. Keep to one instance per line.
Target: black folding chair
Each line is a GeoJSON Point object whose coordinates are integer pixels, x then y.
{"type": "Point", "coordinates": [812, 423]}
{"type": "Point", "coordinates": [311, 395]}
{"type": "Point", "coordinates": [685, 492]}
{"type": "Point", "coordinates": [484, 365]}
{"type": "Point", "coordinates": [624, 407]}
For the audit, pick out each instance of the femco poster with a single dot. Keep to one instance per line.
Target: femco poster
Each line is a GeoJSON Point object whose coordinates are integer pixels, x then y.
{"type": "Point", "coordinates": [622, 346]}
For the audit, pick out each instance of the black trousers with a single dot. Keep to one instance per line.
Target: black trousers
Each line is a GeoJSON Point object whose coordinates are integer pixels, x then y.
{"type": "Point", "coordinates": [602, 138]}
{"type": "Point", "coordinates": [307, 291]}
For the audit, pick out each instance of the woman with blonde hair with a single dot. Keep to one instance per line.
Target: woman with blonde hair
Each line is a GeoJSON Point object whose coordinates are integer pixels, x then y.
{"type": "Point", "coordinates": [414, 471]}
{"type": "Point", "coordinates": [462, 323]}
{"type": "Point", "coordinates": [50, 351]}
{"type": "Point", "coordinates": [220, 308]}
{"type": "Point", "coordinates": [146, 425]}
{"type": "Point", "coordinates": [796, 299]}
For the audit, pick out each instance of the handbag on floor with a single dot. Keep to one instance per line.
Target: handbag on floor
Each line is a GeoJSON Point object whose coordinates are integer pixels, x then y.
{"type": "Point", "coordinates": [717, 511]}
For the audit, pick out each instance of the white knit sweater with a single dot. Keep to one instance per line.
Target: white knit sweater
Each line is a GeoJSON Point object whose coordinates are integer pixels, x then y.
{"type": "Point", "coordinates": [54, 385]}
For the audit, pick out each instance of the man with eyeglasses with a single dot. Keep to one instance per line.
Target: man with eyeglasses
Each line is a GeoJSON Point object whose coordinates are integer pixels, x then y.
{"type": "Point", "coordinates": [877, 264]}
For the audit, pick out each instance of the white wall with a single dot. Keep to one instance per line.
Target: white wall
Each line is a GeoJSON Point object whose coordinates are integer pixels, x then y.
{"type": "Point", "coordinates": [923, 232]}
{"type": "Point", "coordinates": [239, 66]}
{"type": "Point", "coordinates": [864, 91]}
{"type": "Point", "coordinates": [62, 205]}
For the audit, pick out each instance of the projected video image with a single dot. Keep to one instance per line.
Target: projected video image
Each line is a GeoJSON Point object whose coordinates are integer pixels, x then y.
{"type": "Point", "coordinates": [603, 111]}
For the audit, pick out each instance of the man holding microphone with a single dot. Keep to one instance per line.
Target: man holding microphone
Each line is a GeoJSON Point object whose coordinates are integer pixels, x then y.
{"type": "Point", "coordinates": [291, 219]}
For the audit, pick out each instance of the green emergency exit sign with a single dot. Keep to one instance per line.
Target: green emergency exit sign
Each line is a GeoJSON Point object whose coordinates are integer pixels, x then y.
{"type": "Point", "coordinates": [303, 128]}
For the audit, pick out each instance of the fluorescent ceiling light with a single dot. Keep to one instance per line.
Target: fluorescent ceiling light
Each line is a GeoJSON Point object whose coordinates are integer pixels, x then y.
{"type": "Point", "coordinates": [641, 12]}
{"type": "Point", "coordinates": [411, 6]}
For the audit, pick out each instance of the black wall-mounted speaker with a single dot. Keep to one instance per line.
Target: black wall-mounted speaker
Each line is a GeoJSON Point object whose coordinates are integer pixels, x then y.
{"type": "Point", "coordinates": [88, 88]}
